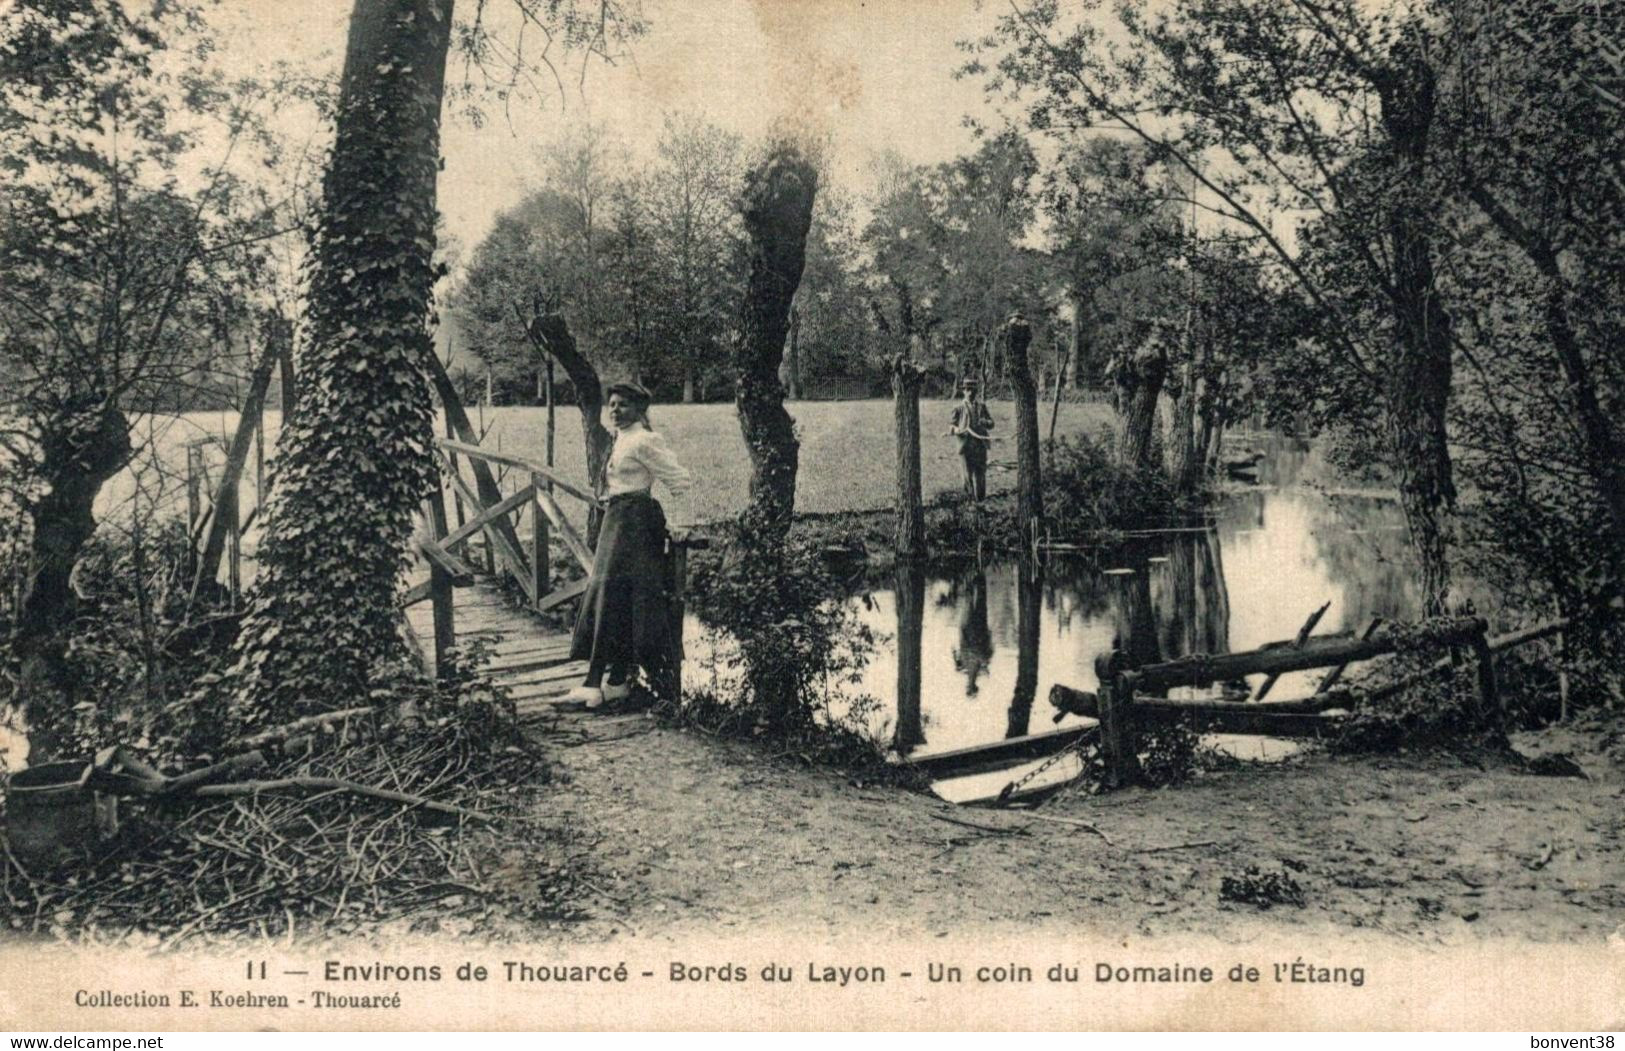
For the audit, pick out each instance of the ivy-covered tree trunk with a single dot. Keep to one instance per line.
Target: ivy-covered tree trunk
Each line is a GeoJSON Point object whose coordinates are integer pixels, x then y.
{"type": "Point", "coordinates": [1419, 374]}
{"type": "Point", "coordinates": [354, 462]}
{"type": "Point", "coordinates": [1029, 483]}
{"type": "Point", "coordinates": [778, 202]}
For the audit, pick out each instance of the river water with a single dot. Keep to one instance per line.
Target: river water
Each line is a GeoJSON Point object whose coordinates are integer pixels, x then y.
{"type": "Point", "coordinates": [971, 648]}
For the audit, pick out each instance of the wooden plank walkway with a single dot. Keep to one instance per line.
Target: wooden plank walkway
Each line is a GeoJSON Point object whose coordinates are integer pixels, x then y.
{"type": "Point", "coordinates": [534, 665]}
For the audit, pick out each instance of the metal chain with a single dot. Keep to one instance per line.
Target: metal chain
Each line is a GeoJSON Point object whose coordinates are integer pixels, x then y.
{"type": "Point", "coordinates": [1017, 785]}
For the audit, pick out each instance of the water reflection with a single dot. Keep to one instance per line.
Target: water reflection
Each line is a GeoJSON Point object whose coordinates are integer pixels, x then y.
{"type": "Point", "coordinates": [1029, 599]}
{"type": "Point", "coordinates": [975, 649]}
{"type": "Point", "coordinates": [910, 594]}
{"type": "Point", "coordinates": [970, 636]}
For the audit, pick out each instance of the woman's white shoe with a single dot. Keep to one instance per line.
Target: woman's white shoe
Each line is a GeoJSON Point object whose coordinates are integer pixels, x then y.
{"type": "Point", "coordinates": [617, 691]}
{"type": "Point", "coordinates": [591, 696]}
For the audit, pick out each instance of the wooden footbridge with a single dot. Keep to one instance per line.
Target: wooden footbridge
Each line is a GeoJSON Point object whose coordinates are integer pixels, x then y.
{"type": "Point", "coordinates": [491, 580]}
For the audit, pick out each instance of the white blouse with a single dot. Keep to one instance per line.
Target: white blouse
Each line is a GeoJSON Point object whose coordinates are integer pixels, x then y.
{"type": "Point", "coordinates": [640, 457]}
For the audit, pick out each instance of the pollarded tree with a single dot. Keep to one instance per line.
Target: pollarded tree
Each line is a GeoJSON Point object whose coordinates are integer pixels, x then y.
{"type": "Point", "coordinates": [117, 285]}
{"type": "Point", "coordinates": [777, 207]}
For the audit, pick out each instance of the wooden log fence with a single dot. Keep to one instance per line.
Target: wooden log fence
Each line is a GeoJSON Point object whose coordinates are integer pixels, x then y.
{"type": "Point", "coordinates": [1130, 700]}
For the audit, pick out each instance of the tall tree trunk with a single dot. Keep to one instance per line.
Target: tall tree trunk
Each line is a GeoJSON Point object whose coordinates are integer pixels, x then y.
{"type": "Point", "coordinates": [793, 364]}
{"type": "Point", "coordinates": [1018, 336]}
{"type": "Point", "coordinates": [1140, 386]}
{"type": "Point", "coordinates": [550, 334]}
{"type": "Point", "coordinates": [1419, 377]}
{"type": "Point", "coordinates": [80, 449]}
{"type": "Point", "coordinates": [778, 201]}
{"type": "Point", "coordinates": [355, 461]}
{"type": "Point", "coordinates": [906, 378]}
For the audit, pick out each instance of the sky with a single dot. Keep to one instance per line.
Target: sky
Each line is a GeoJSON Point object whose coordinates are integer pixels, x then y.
{"type": "Point", "coordinates": [873, 75]}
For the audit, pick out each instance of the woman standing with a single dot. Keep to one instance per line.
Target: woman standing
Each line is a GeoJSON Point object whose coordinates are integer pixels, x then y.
{"type": "Point", "coordinates": [624, 622]}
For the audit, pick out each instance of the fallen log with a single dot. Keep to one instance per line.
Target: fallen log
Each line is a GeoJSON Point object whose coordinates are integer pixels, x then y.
{"type": "Point", "coordinates": [1082, 702]}
{"type": "Point", "coordinates": [1203, 669]}
{"type": "Point", "coordinates": [337, 784]}
{"type": "Point", "coordinates": [287, 730]}
{"type": "Point", "coordinates": [1229, 718]}
{"type": "Point", "coordinates": [1033, 746]}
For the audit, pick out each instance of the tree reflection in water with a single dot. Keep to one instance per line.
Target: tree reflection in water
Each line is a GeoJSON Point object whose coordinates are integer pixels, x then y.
{"type": "Point", "coordinates": [969, 632]}
{"type": "Point", "coordinates": [1029, 606]}
{"type": "Point", "coordinates": [910, 623]}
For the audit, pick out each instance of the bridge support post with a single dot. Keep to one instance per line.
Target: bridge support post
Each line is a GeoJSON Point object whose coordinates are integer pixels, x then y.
{"type": "Point", "coordinates": [441, 597]}
{"type": "Point", "coordinates": [540, 570]}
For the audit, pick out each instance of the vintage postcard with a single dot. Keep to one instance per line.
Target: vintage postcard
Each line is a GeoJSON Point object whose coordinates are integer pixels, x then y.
{"type": "Point", "coordinates": [811, 514]}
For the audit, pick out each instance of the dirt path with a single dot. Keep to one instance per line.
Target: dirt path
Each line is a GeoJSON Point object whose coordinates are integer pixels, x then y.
{"type": "Point", "coordinates": [684, 836]}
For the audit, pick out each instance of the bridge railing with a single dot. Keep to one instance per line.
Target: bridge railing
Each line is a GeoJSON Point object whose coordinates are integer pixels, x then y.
{"type": "Point", "coordinates": [499, 518]}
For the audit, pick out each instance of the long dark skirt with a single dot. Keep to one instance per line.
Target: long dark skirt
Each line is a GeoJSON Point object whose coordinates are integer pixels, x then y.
{"type": "Point", "coordinates": [625, 617]}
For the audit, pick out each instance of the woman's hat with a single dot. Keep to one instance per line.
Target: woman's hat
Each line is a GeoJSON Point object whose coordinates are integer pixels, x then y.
{"type": "Point", "coordinates": [630, 391]}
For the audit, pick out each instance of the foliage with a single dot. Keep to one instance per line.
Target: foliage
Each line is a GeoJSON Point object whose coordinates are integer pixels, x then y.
{"type": "Point", "coordinates": [645, 267]}
{"type": "Point", "coordinates": [136, 646]}
{"type": "Point", "coordinates": [1113, 212]}
{"type": "Point", "coordinates": [781, 635]}
{"type": "Point", "coordinates": [948, 243]}
{"type": "Point", "coordinates": [129, 263]}
{"type": "Point", "coordinates": [1323, 110]}
{"type": "Point", "coordinates": [835, 335]}
{"type": "Point", "coordinates": [277, 863]}
{"type": "Point", "coordinates": [1089, 491]}
{"type": "Point", "coordinates": [1254, 886]}
{"type": "Point", "coordinates": [1170, 755]}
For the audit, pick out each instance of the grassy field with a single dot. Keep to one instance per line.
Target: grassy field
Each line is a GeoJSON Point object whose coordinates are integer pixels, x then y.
{"type": "Point", "coordinates": [848, 458]}
{"type": "Point", "coordinates": [847, 453]}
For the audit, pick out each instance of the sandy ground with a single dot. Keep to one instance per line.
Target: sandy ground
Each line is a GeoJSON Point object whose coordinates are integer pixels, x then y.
{"type": "Point", "coordinates": [678, 835]}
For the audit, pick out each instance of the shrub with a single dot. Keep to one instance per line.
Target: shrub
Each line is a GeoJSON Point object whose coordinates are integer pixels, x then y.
{"type": "Point", "coordinates": [135, 646]}
{"type": "Point", "coordinates": [1088, 491]}
{"type": "Point", "coordinates": [782, 631]}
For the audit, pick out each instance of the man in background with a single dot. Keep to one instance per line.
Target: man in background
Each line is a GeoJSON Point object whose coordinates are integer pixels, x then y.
{"type": "Point", "coordinates": [973, 425]}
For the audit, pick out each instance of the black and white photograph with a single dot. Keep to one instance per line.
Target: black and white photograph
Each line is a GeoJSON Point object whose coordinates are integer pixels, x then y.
{"type": "Point", "coordinates": [812, 515]}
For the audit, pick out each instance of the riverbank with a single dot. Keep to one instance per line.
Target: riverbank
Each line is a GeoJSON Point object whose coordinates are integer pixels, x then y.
{"type": "Point", "coordinates": [679, 836]}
